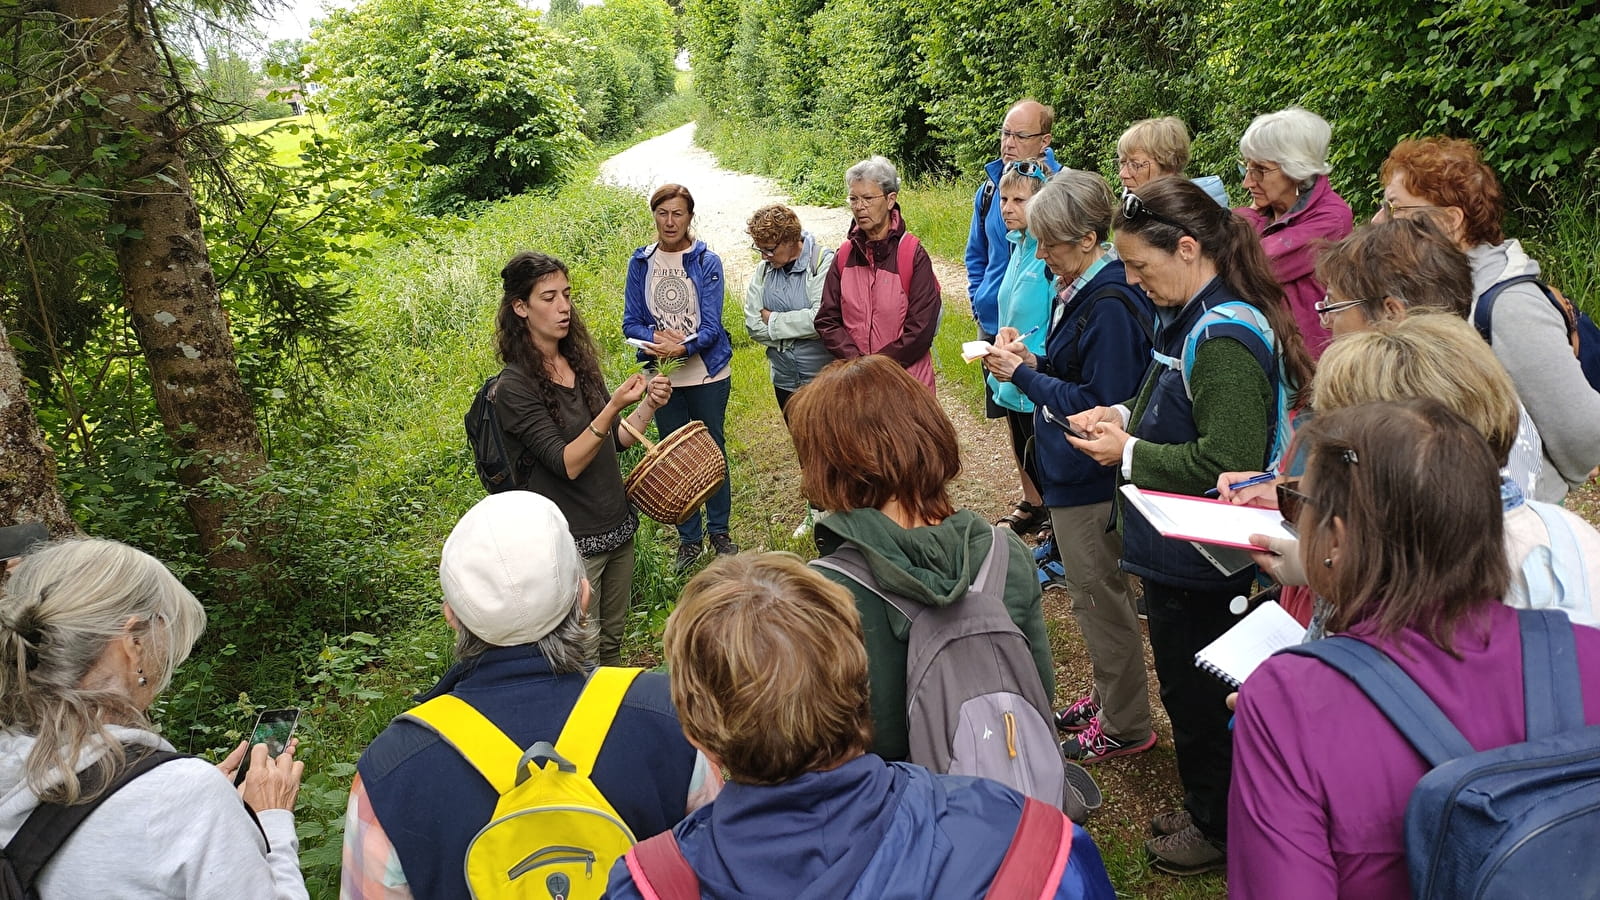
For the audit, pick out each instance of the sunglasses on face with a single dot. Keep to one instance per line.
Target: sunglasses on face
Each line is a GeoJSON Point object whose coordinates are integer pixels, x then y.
{"type": "Point", "coordinates": [1029, 169]}
{"type": "Point", "coordinates": [1133, 209]}
{"type": "Point", "coordinates": [764, 251]}
{"type": "Point", "coordinates": [1290, 501]}
{"type": "Point", "coordinates": [1327, 309]}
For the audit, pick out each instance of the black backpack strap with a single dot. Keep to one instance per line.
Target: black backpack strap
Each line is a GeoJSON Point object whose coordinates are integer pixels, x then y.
{"type": "Point", "coordinates": [1412, 713]}
{"type": "Point", "coordinates": [1080, 321]}
{"type": "Point", "coordinates": [1483, 310]}
{"type": "Point", "coordinates": [1552, 692]}
{"type": "Point", "coordinates": [51, 824]}
{"type": "Point", "coordinates": [986, 200]}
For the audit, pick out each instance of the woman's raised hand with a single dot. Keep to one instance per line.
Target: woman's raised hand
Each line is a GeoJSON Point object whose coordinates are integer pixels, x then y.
{"type": "Point", "coordinates": [1262, 495]}
{"type": "Point", "coordinates": [1002, 361]}
{"type": "Point", "coordinates": [1107, 435]}
{"type": "Point", "coordinates": [272, 782]}
{"type": "Point", "coordinates": [628, 393]}
{"type": "Point", "coordinates": [1005, 336]}
{"type": "Point", "coordinates": [658, 392]}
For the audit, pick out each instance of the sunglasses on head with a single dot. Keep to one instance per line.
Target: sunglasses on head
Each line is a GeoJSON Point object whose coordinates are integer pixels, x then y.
{"type": "Point", "coordinates": [1029, 169]}
{"type": "Point", "coordinates": [1134, 209]}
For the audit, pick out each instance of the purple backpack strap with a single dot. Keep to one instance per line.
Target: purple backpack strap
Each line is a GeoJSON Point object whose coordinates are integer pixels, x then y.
{"type": "Point", "coordinates": [659, 870]}
{"type": "Point", "coordinates": [1037, 857]}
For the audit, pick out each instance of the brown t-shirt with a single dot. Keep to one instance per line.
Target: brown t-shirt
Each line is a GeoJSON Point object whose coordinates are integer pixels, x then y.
{"type": "Point", "coordinates": [594, 502]}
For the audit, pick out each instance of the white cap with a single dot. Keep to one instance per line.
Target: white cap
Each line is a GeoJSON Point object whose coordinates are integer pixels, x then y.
{"type": "Point", "coordinates": [510, 570]}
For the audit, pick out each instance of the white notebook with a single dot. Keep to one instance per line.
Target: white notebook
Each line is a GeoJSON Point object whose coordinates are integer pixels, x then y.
{"type": "Point", "coordinates": [1205, 521]}
{"type": "Point", "coordinates": [1247, 645]}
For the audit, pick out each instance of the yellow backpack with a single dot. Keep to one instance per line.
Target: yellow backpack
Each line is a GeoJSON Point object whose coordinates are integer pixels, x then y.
{"type": "Point", "coordinates": [553, 835]}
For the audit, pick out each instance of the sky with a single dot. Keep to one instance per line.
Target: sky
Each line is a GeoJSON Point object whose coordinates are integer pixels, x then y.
{"type": "Point", "coordinates": [292, 18]}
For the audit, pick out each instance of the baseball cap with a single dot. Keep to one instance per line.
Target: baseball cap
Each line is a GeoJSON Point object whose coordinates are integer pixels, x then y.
{"type": "Point", "coordinates": [510, 569]}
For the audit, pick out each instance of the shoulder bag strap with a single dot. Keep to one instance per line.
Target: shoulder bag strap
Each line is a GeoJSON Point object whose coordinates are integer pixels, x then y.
{"type": "Point", "coordinates": [1390, 689]}
{"type": "Point", "coordinates": [591, 717]}
{"type": "Point", "coordinates": [496, 757]}
{"type": "Point", "coordinates": [849, 562]}
{"type": "Point", "coordinates": [50, 824]}
{"type": "Point", "coordinates": [659, 870]}
{"type": "Point", "coordinates": [906, 256]}
{"type": "Point", "coordinates": [1552, 694]}
{"type": "Point", "coordinates": [1037, 858]}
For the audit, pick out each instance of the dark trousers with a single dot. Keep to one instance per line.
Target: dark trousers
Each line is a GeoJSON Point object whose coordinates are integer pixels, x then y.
{"type": "Point", "coordinates": [709, 404]}
{"type": "Point", "coordinates": [1181, 623]}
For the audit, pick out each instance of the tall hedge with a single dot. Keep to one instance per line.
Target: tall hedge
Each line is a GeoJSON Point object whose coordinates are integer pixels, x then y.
{"type": "Point", "coordinates": [927, 81]}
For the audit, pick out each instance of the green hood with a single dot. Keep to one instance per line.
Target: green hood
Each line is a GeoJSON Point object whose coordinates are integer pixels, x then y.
{"type": "Point", "coordinates": [933, 565]}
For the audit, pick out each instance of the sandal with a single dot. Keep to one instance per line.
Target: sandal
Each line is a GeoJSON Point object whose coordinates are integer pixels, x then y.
{"type": "Point", "coordinates": [1026, 518]}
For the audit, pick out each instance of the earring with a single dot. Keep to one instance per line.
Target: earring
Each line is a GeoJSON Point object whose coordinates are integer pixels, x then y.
{"type": "Point", "coordinates": [143, 680]}
{"type": "Point", "coordinates": [1327, 562]}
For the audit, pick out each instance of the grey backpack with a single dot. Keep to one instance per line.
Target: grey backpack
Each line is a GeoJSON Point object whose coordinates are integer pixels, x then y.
{"type": "Point", "coordinates": [974, 701]}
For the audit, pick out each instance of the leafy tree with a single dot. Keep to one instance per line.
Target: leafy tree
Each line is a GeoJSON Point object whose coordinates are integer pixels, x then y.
{"type": "Point", "coordinates": [479, 83]}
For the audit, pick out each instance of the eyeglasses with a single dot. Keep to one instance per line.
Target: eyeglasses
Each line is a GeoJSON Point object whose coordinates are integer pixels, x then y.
{"type": "Point", "coordinates": [1021, 135]}
{"type": "Point", "coordinates": [1389, 208]}
{"type": "Point", "coordinates": [1290, 500]}
{"type": "Point", "coordinates": [1255, 170]}
{"type": "Point", "coordinates": [1028, 168]}
{"type": "Point", "coordinates": [854, 201]}
{"type": "Point", "coordinates": [1133, 165]}
{"type": "Point", "coordinates": [1326, 310]}
{"type": "Point", "coordinates": [764, 251]}
{"type": "Point", "coordinates": [1133, 209]}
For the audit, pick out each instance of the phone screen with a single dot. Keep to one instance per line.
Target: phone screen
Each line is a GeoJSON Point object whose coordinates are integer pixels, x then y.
{"type": "Point", "coordinates": [273, 728]}
{"type": "Point", "coordinates": [1065, 425]}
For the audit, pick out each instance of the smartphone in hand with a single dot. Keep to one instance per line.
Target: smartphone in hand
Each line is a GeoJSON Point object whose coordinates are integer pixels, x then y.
{"type": "Point", "coordinates": [273, 728]}
{"type": "Point", "coordinates": [1065, 425]}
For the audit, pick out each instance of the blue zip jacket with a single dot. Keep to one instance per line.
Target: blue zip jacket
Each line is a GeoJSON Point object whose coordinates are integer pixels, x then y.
{"type": "Point", "coordinates": [988, 251]}
{"type": "Point", "coordinates": [1112, 349]}
{"type": "Point", "coordinates": [866, 829]}
{"type": "Point", "coordinates": [704, 270]}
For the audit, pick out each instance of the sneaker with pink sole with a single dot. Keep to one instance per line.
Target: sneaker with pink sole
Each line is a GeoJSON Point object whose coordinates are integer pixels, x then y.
{"type": "Point", "coordinates": [1092, 744]}
{"type": "Point", "coordinates": [1078, 716]}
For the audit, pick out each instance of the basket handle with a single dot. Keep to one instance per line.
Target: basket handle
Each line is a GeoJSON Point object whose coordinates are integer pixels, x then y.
{"type": "Point", "coordinates": [623, 420]}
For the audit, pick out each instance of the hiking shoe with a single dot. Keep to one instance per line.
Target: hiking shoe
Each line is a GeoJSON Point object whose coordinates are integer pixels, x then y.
{"type": "Point", "coordinates": [687, 554]}
{"type": "Point", "coordinates": [1170, 823]}
{"type": "Point", "coordinates": [1078, 716]}
{"type": "Point", "coordinates": [1187, 852]}
{"type": "Point", "coordinates": [1092, 744]}
{"type": "Point", "coordinates": [723, 545]}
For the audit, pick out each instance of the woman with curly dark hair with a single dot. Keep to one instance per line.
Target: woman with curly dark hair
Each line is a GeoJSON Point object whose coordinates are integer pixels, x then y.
{"type": "Point", "coordinates": [560, 428]}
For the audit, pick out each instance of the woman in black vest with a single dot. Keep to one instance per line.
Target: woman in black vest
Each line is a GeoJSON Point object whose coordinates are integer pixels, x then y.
{"type": "Point", "coordinates": [1191, 421]}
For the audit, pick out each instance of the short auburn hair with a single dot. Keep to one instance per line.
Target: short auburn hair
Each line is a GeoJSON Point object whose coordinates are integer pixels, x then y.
{"type": "Point", "coordinates": [866, 433]}
{"type": "Point", "coordinates": [1419, 494]}
{"type": "Point", "coordinates": [1450, 172]}
{"type": "Point", "coordinates": [768, 668]}
{"type": "Point", "coordinates": [773, 226]}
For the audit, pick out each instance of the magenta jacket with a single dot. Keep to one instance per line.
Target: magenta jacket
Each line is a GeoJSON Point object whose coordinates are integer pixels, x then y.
{"type": "Point", "coordinates": [1291, 241]}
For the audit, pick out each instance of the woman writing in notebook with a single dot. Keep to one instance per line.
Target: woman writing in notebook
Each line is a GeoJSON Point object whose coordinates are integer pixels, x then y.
{"type": "Point", "coordinates": [1401, 531]}
{"type": "Point", "coordinates": [1226, 370]}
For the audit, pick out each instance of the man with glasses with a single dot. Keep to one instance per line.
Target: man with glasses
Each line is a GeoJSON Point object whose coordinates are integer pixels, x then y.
{"type": "Point", "coordinates": [1024, 135]}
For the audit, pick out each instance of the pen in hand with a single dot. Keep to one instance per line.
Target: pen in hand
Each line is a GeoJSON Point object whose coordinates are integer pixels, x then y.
{"type": "Point", "coordinates": [1263, 478]}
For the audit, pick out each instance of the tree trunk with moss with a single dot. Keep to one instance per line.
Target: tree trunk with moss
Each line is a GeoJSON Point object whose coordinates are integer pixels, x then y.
{"type": "Point", "coordinates": [168, 286]}
{"type": "Point", "coordinates": [28, 489]}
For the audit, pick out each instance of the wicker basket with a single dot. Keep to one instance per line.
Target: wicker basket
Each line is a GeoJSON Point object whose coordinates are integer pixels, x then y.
{"type": "Point", "coordinates": [677, 474]}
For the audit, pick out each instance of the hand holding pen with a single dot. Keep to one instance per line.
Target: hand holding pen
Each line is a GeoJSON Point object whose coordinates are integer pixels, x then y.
{"type": "Point", "coordinates": [1236, 488]}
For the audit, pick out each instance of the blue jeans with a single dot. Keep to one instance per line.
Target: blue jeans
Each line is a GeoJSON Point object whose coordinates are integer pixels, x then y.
{"type": "Point", "coordinates": [709, 404]}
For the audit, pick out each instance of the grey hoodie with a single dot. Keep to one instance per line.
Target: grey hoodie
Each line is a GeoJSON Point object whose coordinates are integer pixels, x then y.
{"type": "Point", "coordinates": [177, 831]}
{"type": "Point", "coordinates": [1529, 338]}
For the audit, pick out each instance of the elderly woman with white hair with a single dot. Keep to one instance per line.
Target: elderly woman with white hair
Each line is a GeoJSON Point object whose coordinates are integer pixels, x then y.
{"type": "Point", "coordinates": [90, 633]}
{"type": "Point", "coordinates": [881, 296]}
{"type": "Point", "coordinates": [1284, 163]}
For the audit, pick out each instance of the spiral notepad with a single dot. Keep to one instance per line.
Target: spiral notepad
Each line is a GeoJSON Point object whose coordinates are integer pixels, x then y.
{"type": "Point", "coordinates": [1247, 645]}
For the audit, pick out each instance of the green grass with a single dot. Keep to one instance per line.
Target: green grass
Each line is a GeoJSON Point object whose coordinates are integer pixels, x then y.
{"type": "Point", "coordinates": [940, 212]}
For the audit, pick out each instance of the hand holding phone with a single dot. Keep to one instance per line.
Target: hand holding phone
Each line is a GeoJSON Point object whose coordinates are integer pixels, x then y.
{"type": "Point", "coordinates": [274, 728]}
{"type": "Point", "coordinates": [1065, 425]}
